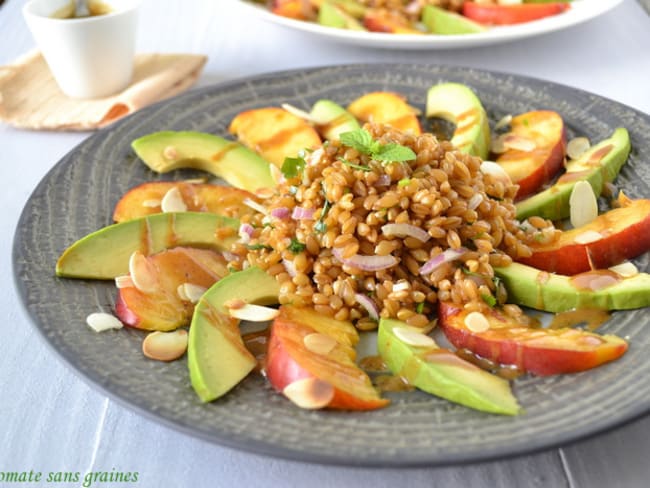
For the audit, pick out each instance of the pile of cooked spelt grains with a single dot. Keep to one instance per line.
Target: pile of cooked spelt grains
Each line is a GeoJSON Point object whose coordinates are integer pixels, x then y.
{"type": "Point", "coordinates": [322, 234]}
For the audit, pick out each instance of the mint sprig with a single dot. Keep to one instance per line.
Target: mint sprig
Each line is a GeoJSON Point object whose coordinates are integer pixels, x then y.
{"type": "Point", "coordinates": [292, 167]}
{"type": "Point", "coordinates": [362, 141]}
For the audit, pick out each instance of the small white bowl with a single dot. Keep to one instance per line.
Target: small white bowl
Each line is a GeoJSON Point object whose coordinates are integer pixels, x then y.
{"type": "Point", "coordinates": [90, 57]}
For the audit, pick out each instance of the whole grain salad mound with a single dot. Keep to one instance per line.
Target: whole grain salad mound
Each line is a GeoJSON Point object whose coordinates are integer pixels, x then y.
{"type": "Point", "coordinates": [385, 224]}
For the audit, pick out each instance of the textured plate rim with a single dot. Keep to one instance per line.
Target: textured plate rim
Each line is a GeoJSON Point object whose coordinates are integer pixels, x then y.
{"type": "Point", "coordinates": [259, 447]}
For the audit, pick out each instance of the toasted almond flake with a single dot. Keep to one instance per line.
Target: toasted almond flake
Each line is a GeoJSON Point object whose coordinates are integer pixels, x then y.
{"type": "Point", "coordinates": [190, 292]}
{"type": "Point", "coordinates": [264, 193]}
{"type": "Point", "coordinates": [626, 269]}
{"type": "Point", "coordinates": [195, 181]}
{"type": "Point", "coordinates": [315, 157]}
{"type": "Point", "coordinates": [143, 274]}
{"type": "Point", "coordinates": [173, 201]}
{"type": "Point", "coordinates": [124, 281]}
{"type": "Point", "coordinates": [170, 152]}
{"type": "Point", "coordinates": [100, 321]}
{"type": "Point", "coordinates": [234, 303]}
{"type": "Point", "coordinates": [577, 146]}
{"type": "Point", "coordinates": [496, 145]}
{"type": "Point", "coordinates": [413, 337]}
{"type": "Point", "coordinates": [309, 393]}
{"type": "Point", "coordinates": [165, 346]}
{"type": "Point", "coordinates": [495, 169]}
{"type": "Point", "coordinates": [475, 201]}
{"type": "Point", "coordinates": [588, 236]}
{"type": "Point", "coordinates": [255, 206]}
{"type": "Point", "coordinates": [276, 174]}
{"type": "Point", "coordinates": [401, 286]}
{"type": "Point", "coordinates": [254, 313]}
{"type": "Point", "coordinates": [476, 322]}
{"type": "Point", "coordinates": [319, 343]}
{"type": "Point", "coordinates": [302, 114]}
{"type": "Point", "coordinates": [519, 143]}
{"type": "Point", "coordinates": [583, 205]}
{"type": "Point", "coordinates": [503, 122]}
{"type": "Point", "coordinates": [151, 203]}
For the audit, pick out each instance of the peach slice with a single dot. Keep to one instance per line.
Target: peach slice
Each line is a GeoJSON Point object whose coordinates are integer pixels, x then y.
{"type": "Point", "coordinates": [380, 20]}
{"type": "Point", "coordinates": [386, 108]}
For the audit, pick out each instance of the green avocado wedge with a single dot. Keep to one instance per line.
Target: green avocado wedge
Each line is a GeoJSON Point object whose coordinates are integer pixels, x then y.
{"type": "Point", "coordinates": [169, 150]}
{"type": "Point", "coordinates": [105, 254]}
{"type": "Point", "coordinates": [442, 373]}
{"type": "Point", "coordinates": [445, 22]}
{"type": "Point", "coordinates": [458, 104]}
{"type": "Point", "coordinates": [336, 120]}
{"type": "Point", "coordinates": [600, 164]}
{"type": "Point", "coordinates": [600, 289]}
{"type": "Point", "coordinates": [331, 14]}
{"type": "Point", "coordinates": [217, 357]}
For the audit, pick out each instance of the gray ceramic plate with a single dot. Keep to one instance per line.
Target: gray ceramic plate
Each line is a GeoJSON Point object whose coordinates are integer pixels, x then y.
{"type": "Point", "coordinates": [77, 197]}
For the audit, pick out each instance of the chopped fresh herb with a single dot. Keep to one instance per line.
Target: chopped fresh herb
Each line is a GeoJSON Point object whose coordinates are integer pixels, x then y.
{"type": "Point", "coordinates": [232, 269]}
{"type": "Point", "coordinates": [403, 182]}
{"type": "Point", "coordinates": [489, 299]}
{"type": "Point", "coordinates": [292, 167]}
{"type": "Point", "coordinates": [355, 166]}
{"type": "Point", "coordinates": [258, 247]}
{"type": "Point", "coordinates": [419, 307]}
{"type": "Point", "coordinates": [320, 226]}
{"type": "Point", "coordinates": [526, 123]}
{"type": "Point", "coordinates": [362, 141]}
{"type": "Point", "coordinates": [293, 190]}
{"type": "Point", "coordinates": [296, 246]}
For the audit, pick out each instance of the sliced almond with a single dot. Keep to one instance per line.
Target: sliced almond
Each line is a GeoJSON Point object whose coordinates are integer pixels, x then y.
{"type": "Point", "coordinates": [477, 322]}
{"type": "Point", "coordinates": [100, 321]}
{"type": "Point", "coordinates": [309, 393]}
{"type": "Point", "coordinates": [319, 343]}
{"type": "Point", "coordinates": [496, 145]}
{"type": "Point", "coordinates": [519, 143]}
{"type": "Point", "coordinates": [301, 113]}
{"type": "Point", "coordinates": [151, 203]}
{"type": "Point", "coordinates": [264, 193]}
{"type": "Point", "coordinates": [401, 285]}
{"type": "Point", "coordinates": [255, 206]}
{"type": "Point", "coordinates": [189, 292]}
{"type": "Point", "coordinates": [165, 346]}
{"type": "Point", "coordinates": [475, 201]}
{"type": "Point", "coordinates": [173, 201]}
{"type": "Point", "coordinates": [143, 274]}
{"type": "Point", "coordinates": [626, 269]}
{"type": "Point", "coordinates": [413, 337]}
{"type": "Point", "coordinates": [124, 281]}
{"type": "Point", "coordinates": [577, 146]}
{"type": "Point", "coordinates": [276, 174]}
{"type": "Point", "coordinates": [588, 236]}
{"type": "Point", "coordinates": [495, 169]}
{"type": "Point", "coordinates": [254, 313]}
{"type": "Point", "coordinates": [503, 122]}
{"type": "Point", "coordinates": [583, 205]}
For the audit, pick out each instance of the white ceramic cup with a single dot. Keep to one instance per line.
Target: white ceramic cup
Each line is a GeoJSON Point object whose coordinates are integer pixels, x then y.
{"type": "Point", "coordinates": [90, 57]}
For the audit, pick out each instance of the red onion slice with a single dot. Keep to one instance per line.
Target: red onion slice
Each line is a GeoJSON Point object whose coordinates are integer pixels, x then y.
{"type": "Point", "coordinates": [369, 304]}
{"type": "Point", "coordinates": [405, 230]}
{"type": "Point", "coordinates": [289, 266]}
{"type": "Point", "coordinates": [383, 180]}
{"type": "Point", "coordinates": [300, 213]}
{"type": "Point", "coordinates": [445, 257]}
{"type": "Point", "coordinates": [246, 232]}
{"type": "Point", "coordinates": [280, 213]}
{"type": "Point", "coordinates": [366, 263]}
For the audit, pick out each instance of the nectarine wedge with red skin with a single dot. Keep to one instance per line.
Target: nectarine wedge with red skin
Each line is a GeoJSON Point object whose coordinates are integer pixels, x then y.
{"type": "Point", "coordinates": [274, 133]}
{"type": "Point", "coordinates": [625, 234]}
{"type": "Point", "coordinates": [379, 20]}
{"type": "Point", "coordinates": [162, 308]}
{"type": "Point", "coordinates": [386, 108]}
{"type": "Point", "coordinates": [532, 169]}
{"type": "Point", "coordinates": [294, 9]}
{"type": "Point", "coordinates": [146, 199]}
{"type": "Point", "coordinates": [291, 358]}
{"type": "Point", "coordinates": [535, 350]}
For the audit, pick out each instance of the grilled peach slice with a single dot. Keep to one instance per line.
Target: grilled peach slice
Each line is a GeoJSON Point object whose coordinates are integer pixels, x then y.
{"type": "Point", "coordinates": [274, 133]}
{"type": "Point", "coordinates": [386, 108]}
{"type": "Point", "coordinates": [159, 196]}
{"type": "Point", "coordinates": [620, 234]}
{"type": "Point", "coordinates": [536, 153]}
{"type": "Point", "coordinates": [310, 360]}
{"type": "Point", "coordinates": [379, 20]}
{"type": "Point", "coordinates": [160, 290]}
{"type": "Point", "coordinates": [540, 351]}
{"type": "Point", "coordinates": [294, 9]}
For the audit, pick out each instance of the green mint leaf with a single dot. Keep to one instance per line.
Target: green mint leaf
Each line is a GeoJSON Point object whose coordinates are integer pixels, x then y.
{"type": "Point", "coordinates": [355, 166]}
{"type": "Point", "coordinates": [320, 227]}
{"type": "Point", "coordinates": [489, 299]}
{"type": "Point", "coordinates": [403, 182]}
{"type": "Point", "coordinates": [296, 246]}
{"type": "Point", "coordinates": [419, 307]}
{"type": "Point", "coordinates": [292, 167]}
{"type": "Point", "coordinates": [360, 139]}
{"type": "Point", "coordinates": [394, 153]}
{"type": "Point", "coordinates": [258, 247]}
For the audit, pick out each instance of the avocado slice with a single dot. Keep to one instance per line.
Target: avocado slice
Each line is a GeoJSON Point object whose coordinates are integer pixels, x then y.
{"type": "Point", "coordinates": [105, 254]}
{"type": "Point", "coordinates": [458, 104]}
{"type": "Point", "coordinates": [440, 21]}
{"type": "Point", "coordinates": [169, 150]}
{"type": "Point", "coordinates": [338, 119]}
{"type": "Point", "coordinates": [600, 289]}
{"type": "Point", "coordinates": [216, 354]}
{"type": "Point", "coordinates": [330, 14]}
{"type": "Point", "coordinates": [598, 165]}
{"type": "Point", "coordinates": [442, 373]}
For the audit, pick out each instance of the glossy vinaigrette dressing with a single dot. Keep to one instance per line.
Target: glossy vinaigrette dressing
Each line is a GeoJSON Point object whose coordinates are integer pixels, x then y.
{"type": "Point", "coordinates": [94, 8]}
